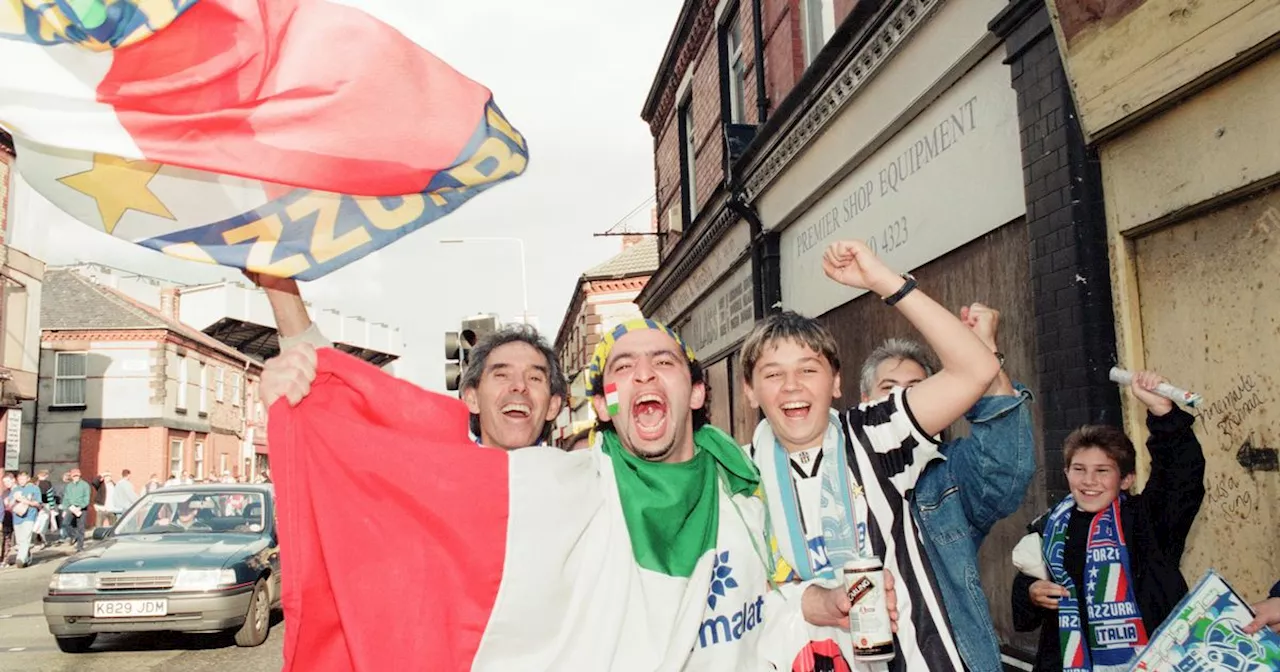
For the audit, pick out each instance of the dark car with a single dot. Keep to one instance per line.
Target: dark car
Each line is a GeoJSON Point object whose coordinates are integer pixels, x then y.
{"type": "Point", "coordinates": [198, 558]}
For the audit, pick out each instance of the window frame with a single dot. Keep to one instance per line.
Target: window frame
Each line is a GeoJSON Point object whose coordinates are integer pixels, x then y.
{"type": "Point", "coordinates": [220, 384]}
{"type": "Point", "coordinates": [197, 459]}
{"type": "Point", "coordinates": [733, 68]}
{"type": "Point", "coordinates": [685, 127]}
{"type": "Point", "coordinates": [181, 445]}
{"type": "Point", "coordinates": [83, 378]}
{"type": "Point", "coordinates": [204, 388]}
{"type": "Point", "coordinates": [184, 380]}
{"type": "Point", "coordinates": [820, 31]}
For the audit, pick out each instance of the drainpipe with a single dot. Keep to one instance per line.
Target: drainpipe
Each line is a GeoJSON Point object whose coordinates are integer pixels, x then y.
{"type": "Point", "coordinates": [765, 291]}
{"type": "Point", "coordinates": [757, 24]}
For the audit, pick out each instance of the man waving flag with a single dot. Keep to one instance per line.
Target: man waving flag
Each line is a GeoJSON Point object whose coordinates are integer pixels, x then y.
{"type": "Point", "coordinates": [287, 137]}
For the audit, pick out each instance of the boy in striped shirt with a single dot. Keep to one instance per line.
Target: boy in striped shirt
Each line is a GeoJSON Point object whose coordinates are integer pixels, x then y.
{"type": "Point", "coordinates": [838, 485]}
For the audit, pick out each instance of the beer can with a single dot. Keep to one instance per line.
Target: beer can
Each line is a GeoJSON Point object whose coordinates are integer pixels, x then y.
{"type": "Point", "coordinates": [868, 612]}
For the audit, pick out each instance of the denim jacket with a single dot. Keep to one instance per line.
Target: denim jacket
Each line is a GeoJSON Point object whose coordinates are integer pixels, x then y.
{"type": "Point", "coordinates": [956, 503]}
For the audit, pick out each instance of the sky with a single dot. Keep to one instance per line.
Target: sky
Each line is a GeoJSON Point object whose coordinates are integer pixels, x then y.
{"type": "Point", "coordinates": [572, 76]}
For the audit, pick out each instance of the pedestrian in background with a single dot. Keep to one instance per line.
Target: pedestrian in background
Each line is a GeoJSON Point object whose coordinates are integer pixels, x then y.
{"type": "Point", "coordinates": [122, 497]}
{"type": "Point", "coordinates": [76, 498]}
{"type": "Point", "coordinates": [46, 521]}
{"type": "Point", "coordinates": [103, 486]}
{"type": "Point", "coordinates": [7, 483]}
{"type": "Point", "coordinates": [23, 503]}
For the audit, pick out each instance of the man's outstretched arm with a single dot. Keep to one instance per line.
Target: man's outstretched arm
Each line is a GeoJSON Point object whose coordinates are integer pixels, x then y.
{"type": "Point", "coordinates": [995, 463]}
{"type": "Point", "coordinates": [292, 321]}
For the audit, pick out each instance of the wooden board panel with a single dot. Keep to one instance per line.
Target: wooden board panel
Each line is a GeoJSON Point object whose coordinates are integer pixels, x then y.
{"type": "Point", "coordinates": [1210, 311]}
{"type": "Point", "coordinates": [721, 394]}
{"type": "Point", "coordinates": [1125, 56]}
{"type": "Point", "coordinates": [1222, 141]}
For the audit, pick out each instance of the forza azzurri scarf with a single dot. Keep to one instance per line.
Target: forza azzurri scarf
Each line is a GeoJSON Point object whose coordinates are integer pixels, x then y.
{"type": "Point", "coordinates": [1115, 632]}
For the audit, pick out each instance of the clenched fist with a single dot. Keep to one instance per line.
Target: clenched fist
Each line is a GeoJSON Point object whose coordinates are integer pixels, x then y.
{"type": "Point", "coordinates": [852, 263]}
{"type": "Point", "coordinates": [289, 375]}
{"type": "Point", "coordinates": [984, 322]}
{"type": "Point", "coordinates": [1143, 389]}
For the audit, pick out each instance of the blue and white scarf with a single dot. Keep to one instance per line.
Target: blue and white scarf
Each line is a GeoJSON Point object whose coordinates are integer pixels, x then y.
{"type": "Point", "coordinates": [1116, 632]}
{"type": "Point", "coordinates": [843, 534]}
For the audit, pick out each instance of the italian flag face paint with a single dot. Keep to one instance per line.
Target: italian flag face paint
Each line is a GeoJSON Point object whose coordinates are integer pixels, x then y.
{"type": "Point", "coordinates": [611, 398]}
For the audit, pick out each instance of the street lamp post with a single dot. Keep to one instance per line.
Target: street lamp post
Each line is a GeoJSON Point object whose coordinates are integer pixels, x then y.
{"type": "Point", "coordinates": [524, 279]}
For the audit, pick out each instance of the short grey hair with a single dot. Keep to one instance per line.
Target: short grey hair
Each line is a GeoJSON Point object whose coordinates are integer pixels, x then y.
{"type": "Point", "coordinates": [514, 333]}
{"type": "Point", "coordinates": [894, 349]}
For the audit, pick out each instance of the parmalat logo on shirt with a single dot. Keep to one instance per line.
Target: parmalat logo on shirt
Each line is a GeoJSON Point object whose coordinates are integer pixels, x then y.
{"type": "Point", "coordinates": [732, 626]}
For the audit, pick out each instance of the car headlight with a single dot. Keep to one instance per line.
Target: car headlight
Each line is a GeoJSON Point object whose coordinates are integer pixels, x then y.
{"type": "Point", "coordinates": [71, 581]}
{"type": "Point", "coordinates": [204, 579]}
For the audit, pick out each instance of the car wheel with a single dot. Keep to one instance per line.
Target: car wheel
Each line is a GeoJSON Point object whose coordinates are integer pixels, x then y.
{"type": "Point", "coordinates": [258, 621]}
{"type": "Point", "coordinates": [79, 644]}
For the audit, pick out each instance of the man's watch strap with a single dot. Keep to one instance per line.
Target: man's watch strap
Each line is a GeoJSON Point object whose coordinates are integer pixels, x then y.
{"type": "Point", "coordinates": [906, 289]}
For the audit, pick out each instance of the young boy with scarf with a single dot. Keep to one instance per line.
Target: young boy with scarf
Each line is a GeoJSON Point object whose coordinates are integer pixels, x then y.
{"type": "Point", "coordinates": [1111, 558]}
{"type": "Point", "coordinates": [859, 467]}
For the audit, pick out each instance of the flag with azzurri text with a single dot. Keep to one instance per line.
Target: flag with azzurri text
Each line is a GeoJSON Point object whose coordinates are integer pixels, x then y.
{"type": "Point", "coordinates": [288, 137]}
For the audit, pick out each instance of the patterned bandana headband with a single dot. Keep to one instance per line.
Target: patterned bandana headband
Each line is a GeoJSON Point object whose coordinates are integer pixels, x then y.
{"type": "Point", "coordinates": [595, 370]}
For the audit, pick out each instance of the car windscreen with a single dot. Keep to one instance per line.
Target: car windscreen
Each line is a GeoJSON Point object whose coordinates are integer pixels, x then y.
{"type": "Point", "coordinates": [204, 512]}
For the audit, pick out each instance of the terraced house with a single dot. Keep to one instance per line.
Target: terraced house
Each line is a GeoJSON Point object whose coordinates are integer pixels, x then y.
{"type": "Point", "coordinates": [124, 385]}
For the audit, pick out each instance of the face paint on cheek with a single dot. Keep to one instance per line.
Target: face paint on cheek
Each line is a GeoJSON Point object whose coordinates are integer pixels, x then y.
{"type": "Point", "coordinates": [611, 398]}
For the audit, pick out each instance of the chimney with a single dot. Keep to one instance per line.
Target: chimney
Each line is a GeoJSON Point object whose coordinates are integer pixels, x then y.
{"type": "Point", "coordinates": [169, 299]}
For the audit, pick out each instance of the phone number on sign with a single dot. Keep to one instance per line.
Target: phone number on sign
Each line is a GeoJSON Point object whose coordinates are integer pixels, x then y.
{"type": "Point", "coordinates": [894, 236]}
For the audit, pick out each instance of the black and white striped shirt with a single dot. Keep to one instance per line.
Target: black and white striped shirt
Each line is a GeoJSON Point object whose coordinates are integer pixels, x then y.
{"type": "Point", "coordinates": [888, 451]}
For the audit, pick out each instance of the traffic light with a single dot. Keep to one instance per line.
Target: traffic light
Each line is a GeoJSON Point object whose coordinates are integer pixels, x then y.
{"type": "Point", "coordinates": [458, 346]}
{"type": "Point", "coordinates": [476, 328]}
{"type": "Point", "coordinates": [454, 360]}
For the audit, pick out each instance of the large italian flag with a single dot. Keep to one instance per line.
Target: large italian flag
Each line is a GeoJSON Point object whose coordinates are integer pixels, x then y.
{"type": "Point", "coordinates": [289, 137]}
{"type": "Point", "coordinates": [406, 546]}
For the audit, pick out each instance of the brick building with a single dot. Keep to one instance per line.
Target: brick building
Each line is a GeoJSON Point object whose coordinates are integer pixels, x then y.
{"type": "Point", "coordinates": [21, 277]}
{"type": "Point", "coordinates": [1182, 124]}
{"type": "Point", "coordinates": [942, 133]}
{"type": "Point", "coordinates": [603, 296]}
{"type": "Point", "coordinates": [126, 386]}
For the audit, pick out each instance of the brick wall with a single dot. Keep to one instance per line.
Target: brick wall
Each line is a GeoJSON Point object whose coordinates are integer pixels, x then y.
{"type": "Point", "coordinates": [784, 63]}
{"type": "Point", "coordinates": [140, 450]}
{"type": "Point", "coordinates": [218, 445]}
{"type": "Point", "coordinates": [590, 316]}
{"type": "Point", "coordinates": [1075, 327]}
{"type": "Point", "coordinates": [145, 451]}
{"type": "Point", "coordinates": [843, 7]}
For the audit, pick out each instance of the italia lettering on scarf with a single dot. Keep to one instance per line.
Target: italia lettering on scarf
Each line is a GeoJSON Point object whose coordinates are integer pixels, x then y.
{"type": "Point", "coordinates": [1115, 631]}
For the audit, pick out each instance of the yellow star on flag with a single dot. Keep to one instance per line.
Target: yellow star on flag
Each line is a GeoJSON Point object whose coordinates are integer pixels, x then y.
{"type": "Point", "coordinates": [118, 185]}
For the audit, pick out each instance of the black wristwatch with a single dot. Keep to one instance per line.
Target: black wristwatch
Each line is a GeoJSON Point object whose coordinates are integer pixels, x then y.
{"type": "Point", "coordinates": [906, 289]}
